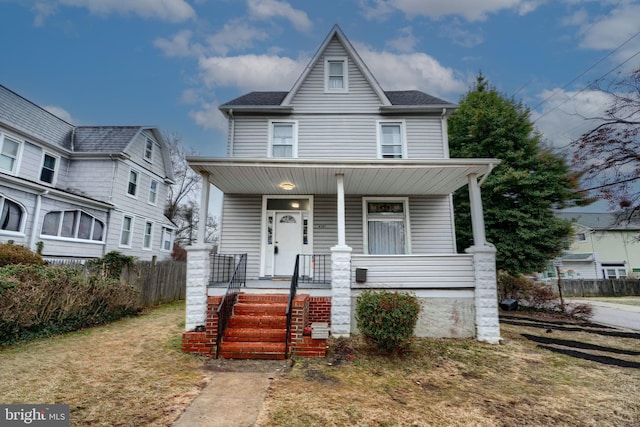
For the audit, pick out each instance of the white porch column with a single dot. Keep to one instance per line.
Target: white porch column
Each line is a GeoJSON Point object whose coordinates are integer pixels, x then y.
{"type": "Point", "coordinates": [204, 208]}
{"type": "Point", "coordinates": [341, 273]}
{"type": "Point", "coordinates": [477, 218]}
{"type": "Point", "coordinates": [198, 272]}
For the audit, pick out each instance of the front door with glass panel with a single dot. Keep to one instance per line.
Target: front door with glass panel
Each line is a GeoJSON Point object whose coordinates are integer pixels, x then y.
{"type": "Point", "coordinates": [287, 242]}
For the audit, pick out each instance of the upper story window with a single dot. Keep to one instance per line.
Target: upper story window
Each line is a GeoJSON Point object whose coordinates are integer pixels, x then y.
{"type": "Point", "coordinates": [386, 226]}
{"type": "Point", "coordinates": [153, 192]}
{"type": "Point", "coordinates": [73, 225]}
{"type": "Point", "coordinates": [581, 237]}
{"type": "Point", "coordinates": [148, 235]}
{"type": "Point", "coordinates": [391, 140]}
{"type": "Point", "coordinates": [148, 150]}
{"type": "Point", "coordinates": [9, 152]}
{"type": "Point", "coordinates": [48, 172]}
{"type": "Point", "coordinates": [167, 239]}
{"type": "Point", "coordinates": [132, 186]}
{"type": "Point", "coordinates": [336, 75]}
{"type": "Point", "coordinates": [11, 216]}
{"type": "Point", "coordinates": [283, 139]}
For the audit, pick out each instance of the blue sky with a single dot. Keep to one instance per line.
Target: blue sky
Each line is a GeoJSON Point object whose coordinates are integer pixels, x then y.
{"type": "Point", "coordinates": [170, 63]}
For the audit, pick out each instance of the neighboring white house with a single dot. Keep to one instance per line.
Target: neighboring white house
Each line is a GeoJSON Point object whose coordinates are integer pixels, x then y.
{"type": "Point", "coordinates": [339, 166]}
{"type": "Point", "coordinates": [81, 191]}
{"type": "Point", "coordinates": [605, 246]}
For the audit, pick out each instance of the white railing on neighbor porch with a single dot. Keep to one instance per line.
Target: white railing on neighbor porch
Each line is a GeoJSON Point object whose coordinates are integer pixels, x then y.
{"type": "Point", "coordinates": [414, 271]}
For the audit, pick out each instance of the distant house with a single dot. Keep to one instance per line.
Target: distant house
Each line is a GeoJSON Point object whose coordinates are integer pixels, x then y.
{"type": "Point", "coordinates": [358, 182]}
{"type": "Point", "coordinates": [81, 191]}
{"type": "Point", "coordinates": [605, 246]}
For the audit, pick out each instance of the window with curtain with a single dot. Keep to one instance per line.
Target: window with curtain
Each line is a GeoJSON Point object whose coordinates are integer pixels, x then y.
{"type": "Point", "coordinates": [283, 139]}
{"type": "Point", "coordinates": [11, 215]}
{"type": "Point", "coordinates": [386, 227]}
{"type": "Point", "coordinates": [72, 225]}
{"type": "Point", "coordinates": [391, 140]}
{"type": "Point", "coordinates": [335, 74]}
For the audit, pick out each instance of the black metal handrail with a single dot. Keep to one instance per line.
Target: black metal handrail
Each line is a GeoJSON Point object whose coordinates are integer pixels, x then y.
{"type": "Point", "coordinates": [292, 295]}
{"type": "Point", "coordinates": [315, 269]}
{"type": "Point", "coordinates": [223, 267]}
{"type": "Point", "coordinates": [225, 309]}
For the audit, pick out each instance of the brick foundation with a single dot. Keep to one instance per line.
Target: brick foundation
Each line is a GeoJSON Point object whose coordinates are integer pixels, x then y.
{"type": "Point", "coordinates": [204, 342]}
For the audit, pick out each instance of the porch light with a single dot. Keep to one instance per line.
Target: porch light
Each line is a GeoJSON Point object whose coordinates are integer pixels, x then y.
{"type": "Point", "coordinates": [287, 186]}
{"type": "Point", "coordinates": [295, 205]}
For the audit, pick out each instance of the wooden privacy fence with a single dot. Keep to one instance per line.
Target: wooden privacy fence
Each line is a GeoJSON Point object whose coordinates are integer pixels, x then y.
{"type": "Point", "coordinates": [600, 288]}
{"type": "Point", "coordinates": [159, 282]}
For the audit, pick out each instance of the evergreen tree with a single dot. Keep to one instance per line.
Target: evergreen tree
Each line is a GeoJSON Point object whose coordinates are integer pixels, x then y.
{"type": "Point", "coordinates": [520, 194]}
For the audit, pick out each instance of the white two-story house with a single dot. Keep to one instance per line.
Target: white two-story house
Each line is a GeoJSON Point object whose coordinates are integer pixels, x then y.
{"type": "Point", "coordinates": [358, 180]}
{"type": "Point", "coordinates": [81, 191]}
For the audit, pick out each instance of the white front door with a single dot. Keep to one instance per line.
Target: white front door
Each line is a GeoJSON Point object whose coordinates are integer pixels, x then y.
{"type": "Point", "coordinates": [287, 242]}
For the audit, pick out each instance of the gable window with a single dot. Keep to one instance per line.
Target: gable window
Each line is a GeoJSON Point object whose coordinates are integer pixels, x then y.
{"type": "Point", "coordinates": [336, 76]}
{"type": "Point", "coordinates": [386, 226]}
{"type": "Point", "coordinates": [77, 225]}
{"type": "Point", "coordinates": [167, 239]}
{"type": "Point", "coordinates": [153, 192]}
{"type": "Point", "coordinates": [581, 237]}
{"type": "Point", "coordinates": [391, 140]}
{"type": "Point", "coordinates": [11, 215]}
{"type": "Point", "coordinates": [126, 230]}
{"type": "Point", "coordinates": [48, 171]}
{"type": "Point", "coordinates": [148, 150]}
{"type": "Point", "coordinates": [132, 186]}
{"type": "Point", "coordinates": [148, 235]}
{"type": "Point", "coordinates": [283, 140]}
{"type": "Point", "coordinates": [9, 149]}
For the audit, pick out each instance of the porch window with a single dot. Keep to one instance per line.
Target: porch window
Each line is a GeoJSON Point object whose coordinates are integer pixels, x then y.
{"type": "Point", "coordinates": [11, 215]}
{"type": "Point", "coordinates": [386, 226]}
{"type": "Point", "coordinates": [283, 139]}
{"type": "Point", "coordinates": [76, 224]}
{"type": "Point", "coordinates": [391, 140]}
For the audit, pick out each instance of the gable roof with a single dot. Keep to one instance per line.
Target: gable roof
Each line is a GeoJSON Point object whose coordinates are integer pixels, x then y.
{"type": "Point", "coordinates": [602, 221]}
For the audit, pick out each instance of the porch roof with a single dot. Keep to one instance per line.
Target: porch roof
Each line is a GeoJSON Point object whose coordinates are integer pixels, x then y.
{"type": "Point", "coordinates": [362, 177]}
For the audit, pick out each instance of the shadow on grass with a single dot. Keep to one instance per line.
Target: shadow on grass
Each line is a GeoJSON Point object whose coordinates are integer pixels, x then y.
{"type": "Point", "coordinates": [543, 324]}
{"type": "Point", "coordinates": [592, 357]}
{"type": "Point", "coordinates": [578, 344]}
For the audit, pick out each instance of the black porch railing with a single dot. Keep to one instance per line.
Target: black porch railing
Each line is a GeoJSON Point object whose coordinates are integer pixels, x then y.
{"type": "Point", "coordinates": [314, 269]}
{"type": "Point", "coordinates": [223, 268]}
{"type": "Point", "coordinates": [225, 309]}
{"type": "Point", "coordinates": [292, 295]}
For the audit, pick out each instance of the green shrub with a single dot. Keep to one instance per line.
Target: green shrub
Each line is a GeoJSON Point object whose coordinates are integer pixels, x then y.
{"type": "Point", "coordinates": [387, 319]}
{"type": "Point", "coordinates": [111, 264]}
{"type": "Point", "coordinates": [39, 300]}
{"type": "Point", "coordinates": [18, 254]}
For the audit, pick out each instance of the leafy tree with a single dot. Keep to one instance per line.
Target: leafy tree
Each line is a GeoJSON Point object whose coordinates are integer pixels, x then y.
{"type": "Point", "coordinates": [520, 194]}
{"type": "Point", "coordinates": [609, 154]}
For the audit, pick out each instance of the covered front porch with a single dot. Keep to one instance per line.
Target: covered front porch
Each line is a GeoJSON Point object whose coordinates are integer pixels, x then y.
{"type": "Point", "coordinates": [345, 248]}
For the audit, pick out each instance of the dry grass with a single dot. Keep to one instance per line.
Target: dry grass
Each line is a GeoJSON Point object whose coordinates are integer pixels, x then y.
{"type": "Point", "coordinates": [128, 373]}
{"type": "Point", "coordinates": [465, 383]}
{"type": "Point", "coordinates": [618, 300]}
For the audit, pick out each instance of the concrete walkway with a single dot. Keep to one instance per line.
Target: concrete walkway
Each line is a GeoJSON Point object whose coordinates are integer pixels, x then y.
{"type": "Point", "coordinates": [611, 314]}
{"type": "Point", "coordinates": [235, 394]}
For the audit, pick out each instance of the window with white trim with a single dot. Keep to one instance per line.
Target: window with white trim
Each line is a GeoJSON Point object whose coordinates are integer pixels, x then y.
{"type": "Point", "coordinates": [48, 172]}
{"type": "Point", "coordinates": [614, 270]}
{"type": "Point", "coordinates": [132, 185]}
{"type": "Point", "coordinates": [581, 237]}
{"type": "Point", "coordinates": [167, 239]}
{"type": "Point", "coordinates": [283, 139]}
{"type": "Point", "coordinates": [386, 226]}
{"type": "Point", "coordinates": [336, 74]}
{"type": "Point", "coordinates": [9, 152]}
{"type": "Point", "coordinates": [148, 235]}
{"type": "Point", "coordinates": [153, 192]}
{"type": "Point", "coordinates": [76, 225]}
{"type": "Point", "coordinates": [11, 216]}
{"type": "Point", "coordinates": [126, 231]}
{"type": "Point", "coordinates": [148, 150]}
{"type": "Point", "coordinates": [391, 140]}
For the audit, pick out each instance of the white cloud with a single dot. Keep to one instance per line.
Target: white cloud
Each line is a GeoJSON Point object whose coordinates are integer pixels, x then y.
{"type": "Point", "coordinates": [59, 112]}
{"type": "Point", "coordinates": [459, 35]}
{"type": "Point", "coordinates": [405, 42]}
{"type": "Point", "coordinates": [612, 30]}
{"type": "Point", "coordinates": [412, 71]}
{"type": "Point", "coordinates": [164, 10]}
{"type": "Point", "coordinates": [568, 115]}
{"type": "Point", "coordinates": [42, 11]}
{"type": "Point", "coordinates": [251, 72]}
{"type": "Point", "coordinates": [209, 117]}
{"type": "Point", "coordinates": [235, 35]}
{"type": "Point", "coordinates": [265, 9]}
{"type": "Point", "coordinates": [178, 46]}
{"type": "Point", "coordinates": [436, 9]}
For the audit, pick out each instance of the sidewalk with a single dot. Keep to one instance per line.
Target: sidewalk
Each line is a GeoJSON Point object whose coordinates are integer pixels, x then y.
{"type": "Point", "coordinates": [235, 394]}
{"type": "Point", "coordinates": [622, 316]}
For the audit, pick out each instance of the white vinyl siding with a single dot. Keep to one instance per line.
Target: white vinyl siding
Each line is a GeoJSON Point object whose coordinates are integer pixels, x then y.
{"type": "Point", "coordinates": [241, 221]}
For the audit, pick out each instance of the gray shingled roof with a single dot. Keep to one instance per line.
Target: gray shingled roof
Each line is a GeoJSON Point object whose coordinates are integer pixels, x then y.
{"type": "Point", "coordinates": [103, 139]}
{"type": "Point", "coordinates": [400, 97]}
{"type": "Point", "coordinates": [601, 221]}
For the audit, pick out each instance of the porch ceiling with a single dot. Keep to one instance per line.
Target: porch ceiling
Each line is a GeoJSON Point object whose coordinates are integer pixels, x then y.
{"type": "Point", "coordinates": [377, 177]}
